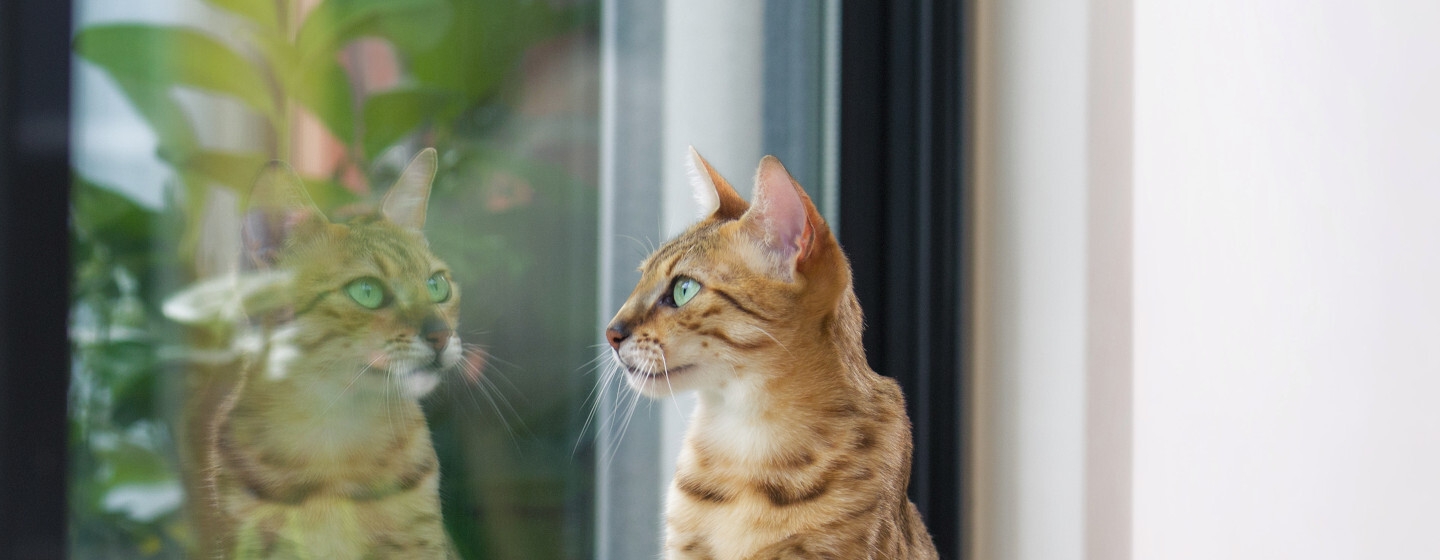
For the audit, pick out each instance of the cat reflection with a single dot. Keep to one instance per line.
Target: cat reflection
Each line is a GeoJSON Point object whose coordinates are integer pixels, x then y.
{"type": "Point", "coordinates": [319, 448]}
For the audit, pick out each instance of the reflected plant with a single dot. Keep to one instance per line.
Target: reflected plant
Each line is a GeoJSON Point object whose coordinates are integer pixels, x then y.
{"type": "Point", "coordinates": [125, 491]}
{"type": "Point", "coordinates": [283, 63]}
{"type": "Point", "coordinates": [282, 66]}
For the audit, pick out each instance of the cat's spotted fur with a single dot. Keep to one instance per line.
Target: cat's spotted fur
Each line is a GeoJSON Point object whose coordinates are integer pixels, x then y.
{"type": "Point", "coordinates": [797, 449]}
{"type": "Point", "coordinates": [321, 450]}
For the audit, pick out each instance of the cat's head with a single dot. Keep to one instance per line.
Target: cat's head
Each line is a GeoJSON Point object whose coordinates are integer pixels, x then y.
{"type": "Point", "coordinates": [749, 287]}
{"type": "Point", "coordinates": [365, 299]}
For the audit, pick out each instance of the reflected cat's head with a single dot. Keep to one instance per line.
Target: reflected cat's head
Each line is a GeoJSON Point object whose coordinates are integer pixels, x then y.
{"type": "Point", "coordinates": [365, 303]}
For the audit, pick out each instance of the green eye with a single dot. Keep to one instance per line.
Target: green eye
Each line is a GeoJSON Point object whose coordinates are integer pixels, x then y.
{"type": "Point", "coordinates": [367, 292]}
{"type": "Point", "coordinates": [439, 287]}
{"type": "Point", "coordinates": [685, 289]}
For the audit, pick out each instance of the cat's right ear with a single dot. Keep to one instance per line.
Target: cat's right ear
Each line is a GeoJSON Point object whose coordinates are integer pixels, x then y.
{"type": "Point", "coordinates": [714, 194]}
{"type": "Point", "coordinates": [783, 218]}
{"type": "Point", "coordinates": [278, 207]}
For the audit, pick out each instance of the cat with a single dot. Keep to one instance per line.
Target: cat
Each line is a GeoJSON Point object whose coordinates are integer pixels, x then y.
{"type": "Point", "coordinates": [320, 449]}
{"type": "Point", "coordinates": [796, 449]}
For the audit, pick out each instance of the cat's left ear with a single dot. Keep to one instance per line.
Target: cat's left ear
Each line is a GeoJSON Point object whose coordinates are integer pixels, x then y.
{"type": "Point", "coordinates": [714, 194]}
{"type": "Point", "coordinates": [279, 209]}
{"type": "Point", "coordinates": [406, 202]}
{"type": "Point", "coordinates": [780, 215]}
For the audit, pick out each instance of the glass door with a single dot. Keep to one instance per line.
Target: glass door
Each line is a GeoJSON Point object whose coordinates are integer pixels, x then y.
{"type": "Point", "coordinates": [226, 153]}
{"type": "Point", "coordinates": [180, 108]}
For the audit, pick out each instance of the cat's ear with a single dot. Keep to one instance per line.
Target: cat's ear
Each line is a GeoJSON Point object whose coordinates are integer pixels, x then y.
{"type": "Point", "coordinates": [405, 203]}
{"type": "Point", "coordinates": [278, 207]}
{"type": "Point", "coordinates": [780, 217]}
{"type": "Point", "coordinates": [714, 194]}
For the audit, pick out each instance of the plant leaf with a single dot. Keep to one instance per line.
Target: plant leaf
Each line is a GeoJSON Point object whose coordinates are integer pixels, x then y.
{"type": "Point", "coordinates": [409, 24]}
{"type": "Point", "coordinates": [101, 212]}
{"type": "Point", "coordinates": [486, 39]}
{"type": "Point", "coordinates": [328, 194]}
{"type": "Point", "coordinates": [164, 56]}
{"type": "Point", "coordinates": [390, 115]}
{"type": "Point", "coordinates": [175, 136]}
{"type": "Point", "coordinates": [325, 89]}
{"type": "Point", "coordinates": [261, 12]}
{"type": "Point", "coordinates": [234, 170]}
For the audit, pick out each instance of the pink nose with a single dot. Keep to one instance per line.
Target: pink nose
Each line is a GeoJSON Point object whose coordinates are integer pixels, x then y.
{"type": "Point", "coordinates": [437, 333]}
{"type": "Point", "coordinates": [438, 339]}
{"type": "Point", "coordinates": [616, 334]}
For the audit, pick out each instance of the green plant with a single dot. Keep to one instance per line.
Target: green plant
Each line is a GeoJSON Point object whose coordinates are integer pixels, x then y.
{"type": "Point", "coordinates": [455, 91]}
{"type": "Point", "coordinates": [277, 64]}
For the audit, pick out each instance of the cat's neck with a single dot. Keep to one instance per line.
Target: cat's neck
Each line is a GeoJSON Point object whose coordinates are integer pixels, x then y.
{"type": "Point", "coordinates": [321, 408]}
{"type": "Point", "coordinates": [752, 419]}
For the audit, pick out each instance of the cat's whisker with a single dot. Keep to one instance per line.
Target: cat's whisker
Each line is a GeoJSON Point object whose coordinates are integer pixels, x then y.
{"type": "Point", "coordinates": [615, 420]}
{"type": "Point", "coordinates": [502, 377]}
{"type": "Point", "coordinates": [673, 400]}
{"type": "Point", "coordinates": [390, 386]}
{"type": "Point", "coordinates": [491, 358]}
{"type": "Point", "coordinates": [626, 418]}
{"type": "Point", "coordinates": [635, 397]}
{"type": "Point", "coordinates": [607, 397]}
{"type": "Point", "coordinates": [646, 247]}
{"type": "Point", "coordinates": [485, 384]}
{"type": "Point", "coordinates": [590, 364]}
{"type": "Point", "coordinates": [593, 405]}
{"type": "Point", "coordinates": [472, 361]}
{"type": "Point", "coordinates": [772, 337]}
{"type": "Point", "coordinates": [484, 389]}
{"type": "Point", "coordinates": [606, 364]}
{"type": "Point", "coordinates": [351, 384]}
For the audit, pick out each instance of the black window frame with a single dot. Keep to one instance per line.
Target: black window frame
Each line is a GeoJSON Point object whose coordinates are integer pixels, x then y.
{"type": "Point", "coordinates": [902, 203]}
{"type": "Point", "coordinates": [34, 276]}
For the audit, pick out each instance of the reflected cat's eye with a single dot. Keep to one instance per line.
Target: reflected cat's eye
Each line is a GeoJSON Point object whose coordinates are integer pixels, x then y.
{"type": "Point", "coordinates": [439, 287]}
{"type": "Point", "coordinates": [367, 292]}
{"type": "Point", "coordinates": [685, 290]}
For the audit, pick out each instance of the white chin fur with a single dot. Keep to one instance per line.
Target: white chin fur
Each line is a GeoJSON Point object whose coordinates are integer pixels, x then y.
{"type": "Point", "coordinates": [420, 383]}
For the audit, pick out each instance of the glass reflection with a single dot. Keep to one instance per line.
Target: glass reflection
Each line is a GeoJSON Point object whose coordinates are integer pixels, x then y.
{"type": "Point", "coordinates": [344, 91]}
{"type": "Point", "coordinates": [318, 447]}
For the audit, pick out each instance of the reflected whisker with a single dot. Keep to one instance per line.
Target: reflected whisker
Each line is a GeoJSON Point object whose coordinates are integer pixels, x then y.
{"type": "Point", "coordinates": [351, 384]}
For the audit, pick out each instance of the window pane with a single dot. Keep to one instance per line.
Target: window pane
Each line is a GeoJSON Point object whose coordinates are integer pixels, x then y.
{"type": "Point", "coordinates": [737, 80]}
{"type": "Point", "coordinates": [199, 286]}
{"type": "Point", "coordinates": [180, 105]}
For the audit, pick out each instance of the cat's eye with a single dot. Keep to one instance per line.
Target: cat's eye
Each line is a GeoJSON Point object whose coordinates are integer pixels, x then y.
{"type": "Point", "coordinates": [367, 292]}
{"type": "Point", "coordinates": [685, 289]}
{"type": "Point", "coordinates": [439, 287]}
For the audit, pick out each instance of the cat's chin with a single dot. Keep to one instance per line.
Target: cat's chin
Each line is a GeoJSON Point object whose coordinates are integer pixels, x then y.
{"type": "Point", "coordinates": [661, 383]}
{"type": "Point", "coordinates": [417, 384]}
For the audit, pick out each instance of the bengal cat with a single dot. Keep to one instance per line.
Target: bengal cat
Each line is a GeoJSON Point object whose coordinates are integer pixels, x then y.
{"type": "Point", "coordinates": [321, 450]}
{"type": "Point", "coordinates": [797, 449]}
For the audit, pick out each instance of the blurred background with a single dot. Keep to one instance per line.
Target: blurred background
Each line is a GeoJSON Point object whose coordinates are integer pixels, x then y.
{"type": "Point", "coordinates": [1157, 278]}
{"type": "Point", "coordinates": [177, 104]}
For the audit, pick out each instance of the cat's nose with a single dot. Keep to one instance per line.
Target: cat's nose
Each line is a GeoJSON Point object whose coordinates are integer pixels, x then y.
{"type": "Point", "coordinates": [617, 333]}
{"type": "Point", "coordinates": [436, 332]}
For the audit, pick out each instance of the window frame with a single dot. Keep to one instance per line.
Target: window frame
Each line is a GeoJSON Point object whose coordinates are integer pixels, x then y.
{"type": "Point", "coordinates": [902, 214]}
{"type": "Point", "coordinates": [34, 306]}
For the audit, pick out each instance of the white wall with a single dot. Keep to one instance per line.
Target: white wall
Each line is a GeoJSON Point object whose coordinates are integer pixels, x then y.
{"type": "Point", "coordinates": [1207, 296]}
{"type": "Point", "coordinates": [1287, 279]}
